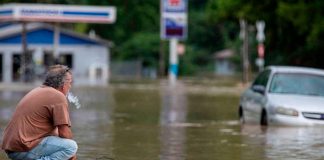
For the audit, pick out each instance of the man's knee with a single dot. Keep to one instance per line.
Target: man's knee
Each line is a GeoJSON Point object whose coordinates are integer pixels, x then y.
{"type": "Point", "coordinates": [72, 147]}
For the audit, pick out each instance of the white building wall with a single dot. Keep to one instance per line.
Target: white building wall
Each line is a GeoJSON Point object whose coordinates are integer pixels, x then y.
{"type": "Point", "coordinates": [224, 67]}
{"type": "Point", "coordinates": [84, 56]}
{"type": "Point", "coordinates": [38, 55]}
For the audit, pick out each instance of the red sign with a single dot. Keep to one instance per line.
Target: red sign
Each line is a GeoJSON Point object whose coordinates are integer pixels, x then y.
{"type": "Point", "coordinates": [174, 2]}
{"type": "Point", "coordinates": [261, 50]}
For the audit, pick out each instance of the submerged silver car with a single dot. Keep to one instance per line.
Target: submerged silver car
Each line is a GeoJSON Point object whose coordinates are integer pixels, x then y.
{"type": "Point", "coordinates": [284, 95]}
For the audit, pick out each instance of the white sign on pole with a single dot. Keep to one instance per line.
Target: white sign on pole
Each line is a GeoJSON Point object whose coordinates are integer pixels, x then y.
{"type": "Point", "coordinates": [174, 19]}
{"type": "Point", "coordinates": [174, 6]}
{"type": "Point", "coordinates": [174, 26]}
{"type": "Point", "coordinates": [260, 25]}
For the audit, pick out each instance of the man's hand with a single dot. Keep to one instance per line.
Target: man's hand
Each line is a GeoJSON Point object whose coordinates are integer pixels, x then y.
{"type": "Point", "coordinates": [64, 131]}
{"type": "Point", "coordinates": [55, 132]}
{"type": "Point", "coordinates": [73, 158]}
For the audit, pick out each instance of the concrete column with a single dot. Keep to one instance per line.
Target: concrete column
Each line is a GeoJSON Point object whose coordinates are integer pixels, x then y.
{"type": "Point", "coordinates": [7, 67]}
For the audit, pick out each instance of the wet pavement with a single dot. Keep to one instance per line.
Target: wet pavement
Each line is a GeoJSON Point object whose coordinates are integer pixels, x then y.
{"type": "Point", "coordinates": [158, 122]}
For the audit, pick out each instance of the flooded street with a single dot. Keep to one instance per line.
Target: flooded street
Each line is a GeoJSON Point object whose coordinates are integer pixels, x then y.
{"type": "Point", "coordinates": [156, 122]}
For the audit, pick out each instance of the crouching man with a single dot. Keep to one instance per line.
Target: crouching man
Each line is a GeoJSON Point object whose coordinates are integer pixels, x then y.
{"type": "Point", "coordinates": [40, 126]}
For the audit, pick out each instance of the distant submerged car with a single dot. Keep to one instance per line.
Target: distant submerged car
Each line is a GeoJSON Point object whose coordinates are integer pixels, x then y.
{"type": "Point", "coordinates": [283, 95]}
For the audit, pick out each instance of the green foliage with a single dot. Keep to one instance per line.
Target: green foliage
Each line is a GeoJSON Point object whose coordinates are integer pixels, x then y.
{"type": "Point", "coordinates": [295, 13]}
{"type": "Point", "coordinates": [133, 16]}
{"type": "Point", "coordinates": [144, 46]}
{"type": "Point", "coordinates": [294, 30]}
{"type": "Point", "coordinates": [220, 10]}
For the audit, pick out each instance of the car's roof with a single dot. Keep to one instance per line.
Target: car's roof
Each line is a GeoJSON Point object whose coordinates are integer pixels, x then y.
{"type": "Point", "coordinates": [296, 69]}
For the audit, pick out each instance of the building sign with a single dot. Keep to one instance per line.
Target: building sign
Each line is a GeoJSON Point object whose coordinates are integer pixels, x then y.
{"type": "Point", "coordinates": [173, 19]}
{"type": "Point", "coordinates": [57, 13]}
{"type": "Point", "coordinates": [6, 13]}
{"type": "Point", "coordinates": [174, 5]}
{"type": "Point", "coordinates": [174, 26]}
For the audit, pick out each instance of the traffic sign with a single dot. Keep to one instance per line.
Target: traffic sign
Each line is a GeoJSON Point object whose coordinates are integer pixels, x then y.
{"type": "Point", "coordinates": [261, 50]}
{"type": "Point", "coordinates": [260, 25]}
{"type": "Point", "coordinates": [259, 62]}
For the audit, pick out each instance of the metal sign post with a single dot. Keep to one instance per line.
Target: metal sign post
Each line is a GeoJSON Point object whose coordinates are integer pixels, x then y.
{"type": "Point", "coordinates": [173, 28]}
{"type": "Point", "coordinates": [260, 25]}
{"type": "Point", "coordinates": [244, 35]}
{"type": "Point", "coordinates": [173, 70]}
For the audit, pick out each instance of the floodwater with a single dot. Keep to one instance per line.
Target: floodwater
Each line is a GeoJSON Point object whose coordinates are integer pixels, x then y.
{"type": "Point", "coordinates": [157, 122]}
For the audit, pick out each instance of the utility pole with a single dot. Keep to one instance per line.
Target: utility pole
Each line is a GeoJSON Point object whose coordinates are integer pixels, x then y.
{"type": "Point", "coordinates": [244, 35]}
{"type": "Point", "coordinates": [161, 59]}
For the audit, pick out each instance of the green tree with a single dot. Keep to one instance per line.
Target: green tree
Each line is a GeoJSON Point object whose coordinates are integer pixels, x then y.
{"type": "Point", "coordinates": [143, 46]}
{"type": "Point", "coordinates": [294, 28]}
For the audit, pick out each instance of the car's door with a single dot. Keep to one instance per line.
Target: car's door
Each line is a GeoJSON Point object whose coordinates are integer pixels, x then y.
{"type": "Point", "coordinates": [255, 97]}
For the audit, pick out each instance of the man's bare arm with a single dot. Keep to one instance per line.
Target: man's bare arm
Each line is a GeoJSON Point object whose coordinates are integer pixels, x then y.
{"type": "Point", "coordinates": [64, 131]}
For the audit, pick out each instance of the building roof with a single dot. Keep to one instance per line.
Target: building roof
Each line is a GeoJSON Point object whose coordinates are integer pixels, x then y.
{"type": "Point", "coordinates": [42, 33]}
{"type": "Point", "coordinates": [224, 54]}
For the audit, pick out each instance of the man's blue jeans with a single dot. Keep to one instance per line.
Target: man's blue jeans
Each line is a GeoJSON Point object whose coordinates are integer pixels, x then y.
{"type": "Point", "coordinates": [50, 148]}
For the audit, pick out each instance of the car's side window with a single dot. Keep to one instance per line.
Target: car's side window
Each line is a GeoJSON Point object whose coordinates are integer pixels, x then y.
{"type": "Point", "coordinates": [262, 79]}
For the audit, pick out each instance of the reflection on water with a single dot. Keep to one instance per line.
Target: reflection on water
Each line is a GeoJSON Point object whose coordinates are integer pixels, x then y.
{"type": "Point", "coordinates": [287, 142]}
{"type": "Point", "coordinates": [174, 104]}
{"type": "Point", "coordinates": [142, 122]}
{"type": "Point", "coordinates": [93, 123]}
{"type": "Point", "coordinates": [173, 113]}
{"type": "Point", "coordinates": [300, 143]}
{"type": "Point", "coordinates": [173, 139]}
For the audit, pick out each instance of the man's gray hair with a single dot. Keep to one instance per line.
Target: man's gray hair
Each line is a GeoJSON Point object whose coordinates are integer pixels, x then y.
{"type": "Point", "coordinates": [55, 76]}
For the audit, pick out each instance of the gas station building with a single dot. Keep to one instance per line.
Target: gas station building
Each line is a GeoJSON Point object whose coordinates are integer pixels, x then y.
{"type": "Point", "coordinates": [80, 52]}
{"type": "Point", "coordinates": [31, 39]}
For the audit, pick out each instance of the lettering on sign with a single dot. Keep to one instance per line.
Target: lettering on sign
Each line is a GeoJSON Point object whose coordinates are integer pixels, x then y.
{"type": "Point", "coordinates": [42, 12]}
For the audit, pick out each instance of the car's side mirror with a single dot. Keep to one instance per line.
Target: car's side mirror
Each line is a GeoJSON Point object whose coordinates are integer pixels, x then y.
{"type": "Point", "coordinates": [259, 89]}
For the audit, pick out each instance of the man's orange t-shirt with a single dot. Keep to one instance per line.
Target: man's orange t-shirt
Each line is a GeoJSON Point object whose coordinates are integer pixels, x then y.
{"type": "Point", "coordinates": [36, 116]}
